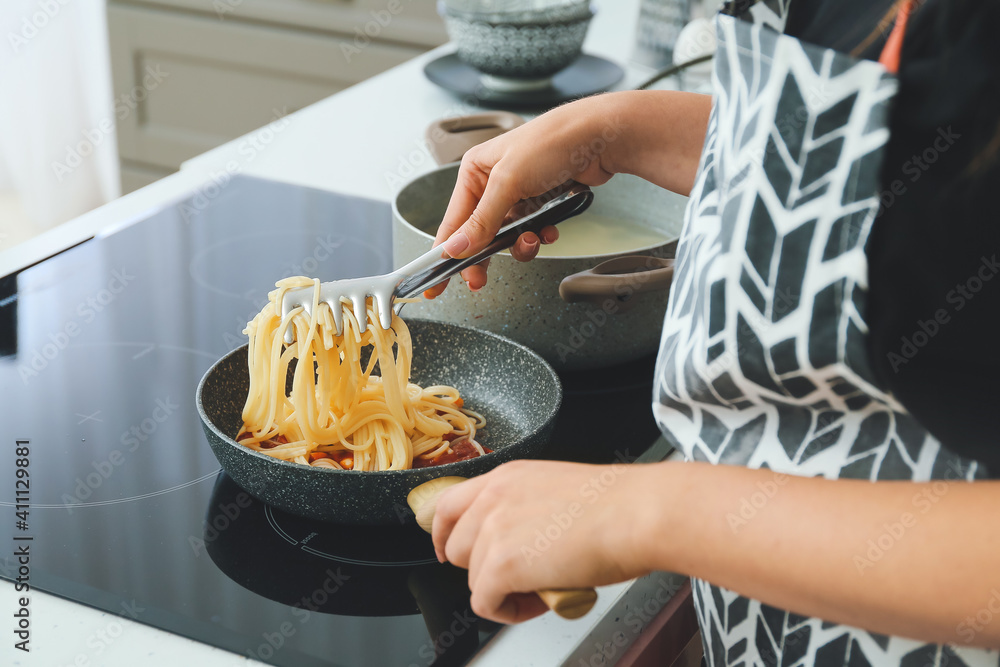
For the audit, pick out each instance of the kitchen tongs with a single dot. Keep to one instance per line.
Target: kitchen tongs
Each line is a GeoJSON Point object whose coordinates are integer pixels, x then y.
{"type": "Point", "coordinates": [434, 266]}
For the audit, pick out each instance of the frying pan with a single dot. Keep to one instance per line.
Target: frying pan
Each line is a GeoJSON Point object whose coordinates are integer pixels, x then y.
{"type": "Point", "coordinates": [512, 386]}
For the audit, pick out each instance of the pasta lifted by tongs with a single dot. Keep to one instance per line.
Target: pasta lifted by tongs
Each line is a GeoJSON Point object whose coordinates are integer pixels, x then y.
{"type": "Point", "coordinates": [431, 268]}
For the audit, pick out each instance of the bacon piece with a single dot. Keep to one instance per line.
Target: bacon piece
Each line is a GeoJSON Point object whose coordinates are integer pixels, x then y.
{"type": "Point", "coordinates": [264, 444]}
{"type": "Point", "coordinates": [344, 458]}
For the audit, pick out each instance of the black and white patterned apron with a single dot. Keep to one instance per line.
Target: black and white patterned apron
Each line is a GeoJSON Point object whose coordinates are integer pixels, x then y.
{"type": "Point", "coordinates": [763, 360]}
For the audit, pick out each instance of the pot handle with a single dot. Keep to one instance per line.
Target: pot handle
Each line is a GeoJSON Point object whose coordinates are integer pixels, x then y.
{"type": "Point", "coordinates": [449, 138]}
{"type": "Point", "coordinates": [619, 279]}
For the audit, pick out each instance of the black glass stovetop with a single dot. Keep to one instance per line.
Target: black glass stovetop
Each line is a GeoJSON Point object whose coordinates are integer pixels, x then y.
{"type": "Point", "coordinates": [101, 349]}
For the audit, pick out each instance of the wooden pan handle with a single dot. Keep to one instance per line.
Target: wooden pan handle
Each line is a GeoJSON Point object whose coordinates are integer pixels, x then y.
{"type": "Point", "coordinates": [569, 603]}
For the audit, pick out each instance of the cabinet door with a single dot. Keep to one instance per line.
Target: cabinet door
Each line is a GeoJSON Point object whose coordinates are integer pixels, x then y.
{"type": "Point", "coordinates": [408, 21]}
{"type": "Point", "coordinates": [186, 83]}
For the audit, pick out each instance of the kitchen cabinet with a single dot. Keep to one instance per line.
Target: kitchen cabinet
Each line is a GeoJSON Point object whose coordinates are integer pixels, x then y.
{"type": "Point", "coordinates": [190, 75]}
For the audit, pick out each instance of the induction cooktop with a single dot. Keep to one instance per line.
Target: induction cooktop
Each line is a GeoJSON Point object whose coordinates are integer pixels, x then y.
{"type": "Point", "coordinates": [126, 509]}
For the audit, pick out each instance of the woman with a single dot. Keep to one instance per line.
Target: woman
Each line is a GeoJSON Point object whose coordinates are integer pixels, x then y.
{"type": "Point", "coordinates": [831, 318]}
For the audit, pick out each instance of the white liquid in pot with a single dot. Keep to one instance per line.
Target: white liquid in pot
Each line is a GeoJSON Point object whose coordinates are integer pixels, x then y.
{"type": "Point", "coordinates": [590, 234]}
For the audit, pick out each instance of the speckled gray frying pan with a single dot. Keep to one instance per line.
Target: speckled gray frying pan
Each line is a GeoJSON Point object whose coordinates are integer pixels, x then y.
{"type": "Point", "coordinates": [513, 387]}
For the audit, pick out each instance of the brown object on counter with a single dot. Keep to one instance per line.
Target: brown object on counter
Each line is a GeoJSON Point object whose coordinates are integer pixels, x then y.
{"type": "Point", "coordinates": [448, 139]}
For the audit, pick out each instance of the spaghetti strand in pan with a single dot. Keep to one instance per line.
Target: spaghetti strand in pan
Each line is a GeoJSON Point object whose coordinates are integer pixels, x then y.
{"type": "Point", "coordinates": [338, 414]}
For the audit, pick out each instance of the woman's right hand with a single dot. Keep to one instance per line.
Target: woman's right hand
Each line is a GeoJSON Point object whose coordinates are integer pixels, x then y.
{"type": "Point", "coordinates": [654, 134]}
{"type": "Point", "coordinates": [569, 142]}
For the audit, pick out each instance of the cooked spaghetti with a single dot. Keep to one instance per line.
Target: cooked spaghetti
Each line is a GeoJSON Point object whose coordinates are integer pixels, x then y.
{"type": "Point", "coordinates": [338, 414]}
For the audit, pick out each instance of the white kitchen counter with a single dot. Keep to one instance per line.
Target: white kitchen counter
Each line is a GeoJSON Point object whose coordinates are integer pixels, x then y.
{"type": "Point", "coordinates": [364, 141]}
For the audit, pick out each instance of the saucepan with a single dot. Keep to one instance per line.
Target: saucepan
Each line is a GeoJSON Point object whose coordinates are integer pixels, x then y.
{"type": "Point", "coordinates": [513, 387]}
{"type": "Point", "coordinates": [590, 300]}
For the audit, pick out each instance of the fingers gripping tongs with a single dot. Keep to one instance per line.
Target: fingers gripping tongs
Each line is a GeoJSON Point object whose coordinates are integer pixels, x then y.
{"type": "Point", "coordinates": [434, 266]}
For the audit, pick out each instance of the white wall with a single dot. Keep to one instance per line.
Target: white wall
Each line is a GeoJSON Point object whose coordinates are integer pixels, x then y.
{"type": "Point", "coordinates": [58, 155]}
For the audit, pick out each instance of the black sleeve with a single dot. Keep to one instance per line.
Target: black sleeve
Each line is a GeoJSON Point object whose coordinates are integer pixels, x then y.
{"type": "Point", "coordinates": [934, 251]}
{"type": "Point", "coordinates": [844, 25]}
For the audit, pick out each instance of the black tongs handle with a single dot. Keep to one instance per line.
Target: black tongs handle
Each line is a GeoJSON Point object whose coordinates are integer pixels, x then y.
{"type": "Point", "coordinates": [528, 215]}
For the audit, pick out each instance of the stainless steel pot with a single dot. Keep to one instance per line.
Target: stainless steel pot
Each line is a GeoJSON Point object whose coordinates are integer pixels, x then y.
{"type": "Point", "coordinates": [577, 312]}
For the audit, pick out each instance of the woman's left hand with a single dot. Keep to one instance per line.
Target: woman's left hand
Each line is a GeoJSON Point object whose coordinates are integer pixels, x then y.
{"type": "Point", "coordinates": [531, 525]}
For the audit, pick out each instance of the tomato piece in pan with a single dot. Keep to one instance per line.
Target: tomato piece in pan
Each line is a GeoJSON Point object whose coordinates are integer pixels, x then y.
{"type": "Point", "coordinates": [461, 450]}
